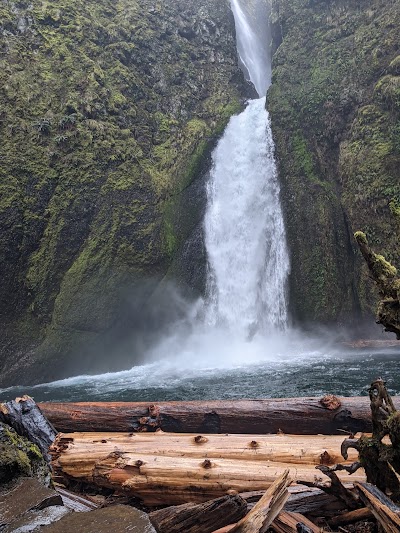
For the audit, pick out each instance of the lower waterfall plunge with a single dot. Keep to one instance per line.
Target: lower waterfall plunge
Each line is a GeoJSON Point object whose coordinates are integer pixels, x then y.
{"type": "Point", "coordinates": [244, 230]}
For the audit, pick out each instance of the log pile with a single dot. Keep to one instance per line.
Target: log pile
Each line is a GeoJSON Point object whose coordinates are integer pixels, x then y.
{"type": "Point", "coordinates": [243, 483]}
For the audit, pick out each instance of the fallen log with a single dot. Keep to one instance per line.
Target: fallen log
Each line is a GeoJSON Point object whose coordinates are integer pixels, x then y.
{"type": "Point", "coordinates": [164, 469]}
{"type": "Point", "coordinates": [199, 518]}
{"type": "Point", "coordinates": [302, 416]}
{"type": "Point", "coordinates": [303, 500]}
{"type": "Point", "coordinates": [265, 511]}
{"type": "Point", "coordinates": [299, 449]}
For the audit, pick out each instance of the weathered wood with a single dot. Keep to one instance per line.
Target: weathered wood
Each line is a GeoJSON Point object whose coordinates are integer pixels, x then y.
{"type": "Point", "coordinates": [337, 488]}
{"type": "Point", "coordinates": [298, 449]}
{"type": "Point", "coordinates": [200, 518]}
{"type": "Point", "coordinates": [287, 523]}
{"type": "Point", "coordinates": [24, 415]}
{"type": "Point", "coordinates": [312, 501]}
{"type": "Point", "coordinates": [265, 511]}
{"type": "Point", "coordinates": [384, 510]}
{"type": "Point", "coordinates": [352, 516]}
{"type": "Point", "coordinates": [380, 458]}
{"type": "Point", "coordinates": [303, 500]}
{"type": "Point", "coordinates": [74, 502]}
{"type": "Point", "coordinates": [164, 469]}
{"type": "Point", "coordinates": [302, 416]}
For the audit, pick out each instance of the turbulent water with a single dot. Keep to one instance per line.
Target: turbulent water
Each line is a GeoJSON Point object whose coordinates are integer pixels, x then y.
{"type": "Point", "coordinates": [245, 236]}
{"type": "Point", "coordinates": [300, 370]}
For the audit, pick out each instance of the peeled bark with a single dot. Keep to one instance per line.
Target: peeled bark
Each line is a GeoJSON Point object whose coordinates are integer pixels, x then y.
{"type": "Point", "coordinates": [170, 469]}
{"type": "Point", "coordinates": [301, 416]}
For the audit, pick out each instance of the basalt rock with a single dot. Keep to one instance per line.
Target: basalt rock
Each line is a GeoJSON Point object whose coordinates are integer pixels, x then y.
{"type": "Point", "coordinates": [335, 109]}
{"type": "Point", "coordinates": [108, 112]}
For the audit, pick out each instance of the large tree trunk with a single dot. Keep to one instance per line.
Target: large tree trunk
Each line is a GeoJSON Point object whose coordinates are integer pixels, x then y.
{"type": "Point", "coordinates": [164, 469]}
{"type": "Point", "coordinates": [303, 416]}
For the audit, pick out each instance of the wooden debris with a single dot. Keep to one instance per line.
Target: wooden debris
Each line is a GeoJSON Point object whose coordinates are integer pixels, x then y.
{"type": "Point", "coordinates": [306, 416]}
{"type": "Point", "coordinates": [380, 459]}
{"type": "Point", "coordinates": [24, 415]}
{"type": "Point", "coordinates": [287, 523]}
{"type": "Point", "coordinates": [350, 517]}
{"type": "Point", "coordinates": [264, 512]}
{"type": "Point", "coordinates": [384, 510]}
{"type": "Point", "coordinates": [296, 449]}
{"type": "Point", "coordinates": [200, 518]}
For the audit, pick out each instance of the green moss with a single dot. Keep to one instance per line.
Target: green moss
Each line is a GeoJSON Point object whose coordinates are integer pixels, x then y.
{"type": "Point", "coordinates": [394, 206]}
{"type": "Point", "coordinates": [100, 131]}
{"type": "Point", "coordinates": [20, 457]}
{"type": "Point", "coordinates": [335, 118]}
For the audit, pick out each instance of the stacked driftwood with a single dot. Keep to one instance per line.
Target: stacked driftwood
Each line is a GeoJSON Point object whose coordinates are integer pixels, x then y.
{"type": "Point", "coordinates": [204, 482]}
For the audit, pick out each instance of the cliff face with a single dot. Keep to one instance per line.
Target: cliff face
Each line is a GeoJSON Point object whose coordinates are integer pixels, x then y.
{"type": "Point", "coordinates": [107, 111]}
{"type": "Point", "coordinates": [335, 108]}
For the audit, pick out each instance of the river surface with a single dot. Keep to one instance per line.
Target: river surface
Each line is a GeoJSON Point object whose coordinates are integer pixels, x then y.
{"type": "Point", "coordinates": [346, 373]}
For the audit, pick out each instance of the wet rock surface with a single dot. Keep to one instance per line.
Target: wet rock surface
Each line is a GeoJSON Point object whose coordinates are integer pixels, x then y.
{"type": "Point", "coordinates": [26, 501]}
{"type": "Point", "coordinates": [334, 105]}
{"type": "Point", "coordinates": [118, 519]}
{"type": "Point", "coordinates": [105, 125]}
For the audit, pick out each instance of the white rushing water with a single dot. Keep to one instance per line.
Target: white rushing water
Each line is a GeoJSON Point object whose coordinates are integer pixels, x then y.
{"type": "Point", "coordinates": [244, 230]}
{"type": "Point", "coordinates": [252, 47]}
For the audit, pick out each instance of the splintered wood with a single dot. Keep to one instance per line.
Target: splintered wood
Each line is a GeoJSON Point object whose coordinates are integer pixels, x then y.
{"type": "Point", "coordinates": [171, 469]}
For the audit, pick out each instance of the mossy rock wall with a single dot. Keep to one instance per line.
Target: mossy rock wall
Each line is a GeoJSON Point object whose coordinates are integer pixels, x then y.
{"type": "Point", "coordinates": [107, 110]}
{"type": "Point", "coordinates": [335, 108]}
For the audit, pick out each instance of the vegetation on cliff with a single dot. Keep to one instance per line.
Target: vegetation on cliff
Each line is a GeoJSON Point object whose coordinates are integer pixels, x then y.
{"type": "Point", "coordinates": [386, 278]}
{"type": "Point", "coordinates": [107, 112]}
{"type": "Point", "coordinates": [335, 108]}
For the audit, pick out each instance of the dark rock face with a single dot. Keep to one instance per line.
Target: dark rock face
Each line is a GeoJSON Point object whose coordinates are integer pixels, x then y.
{"type": "Point", "coordinates": [108, 112]}
{"type": "Point", "coordinates": [335, 109]}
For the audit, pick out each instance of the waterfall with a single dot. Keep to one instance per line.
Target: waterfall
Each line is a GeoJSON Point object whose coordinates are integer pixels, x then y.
{"type": "Point", "coordinates": [245, 237]}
